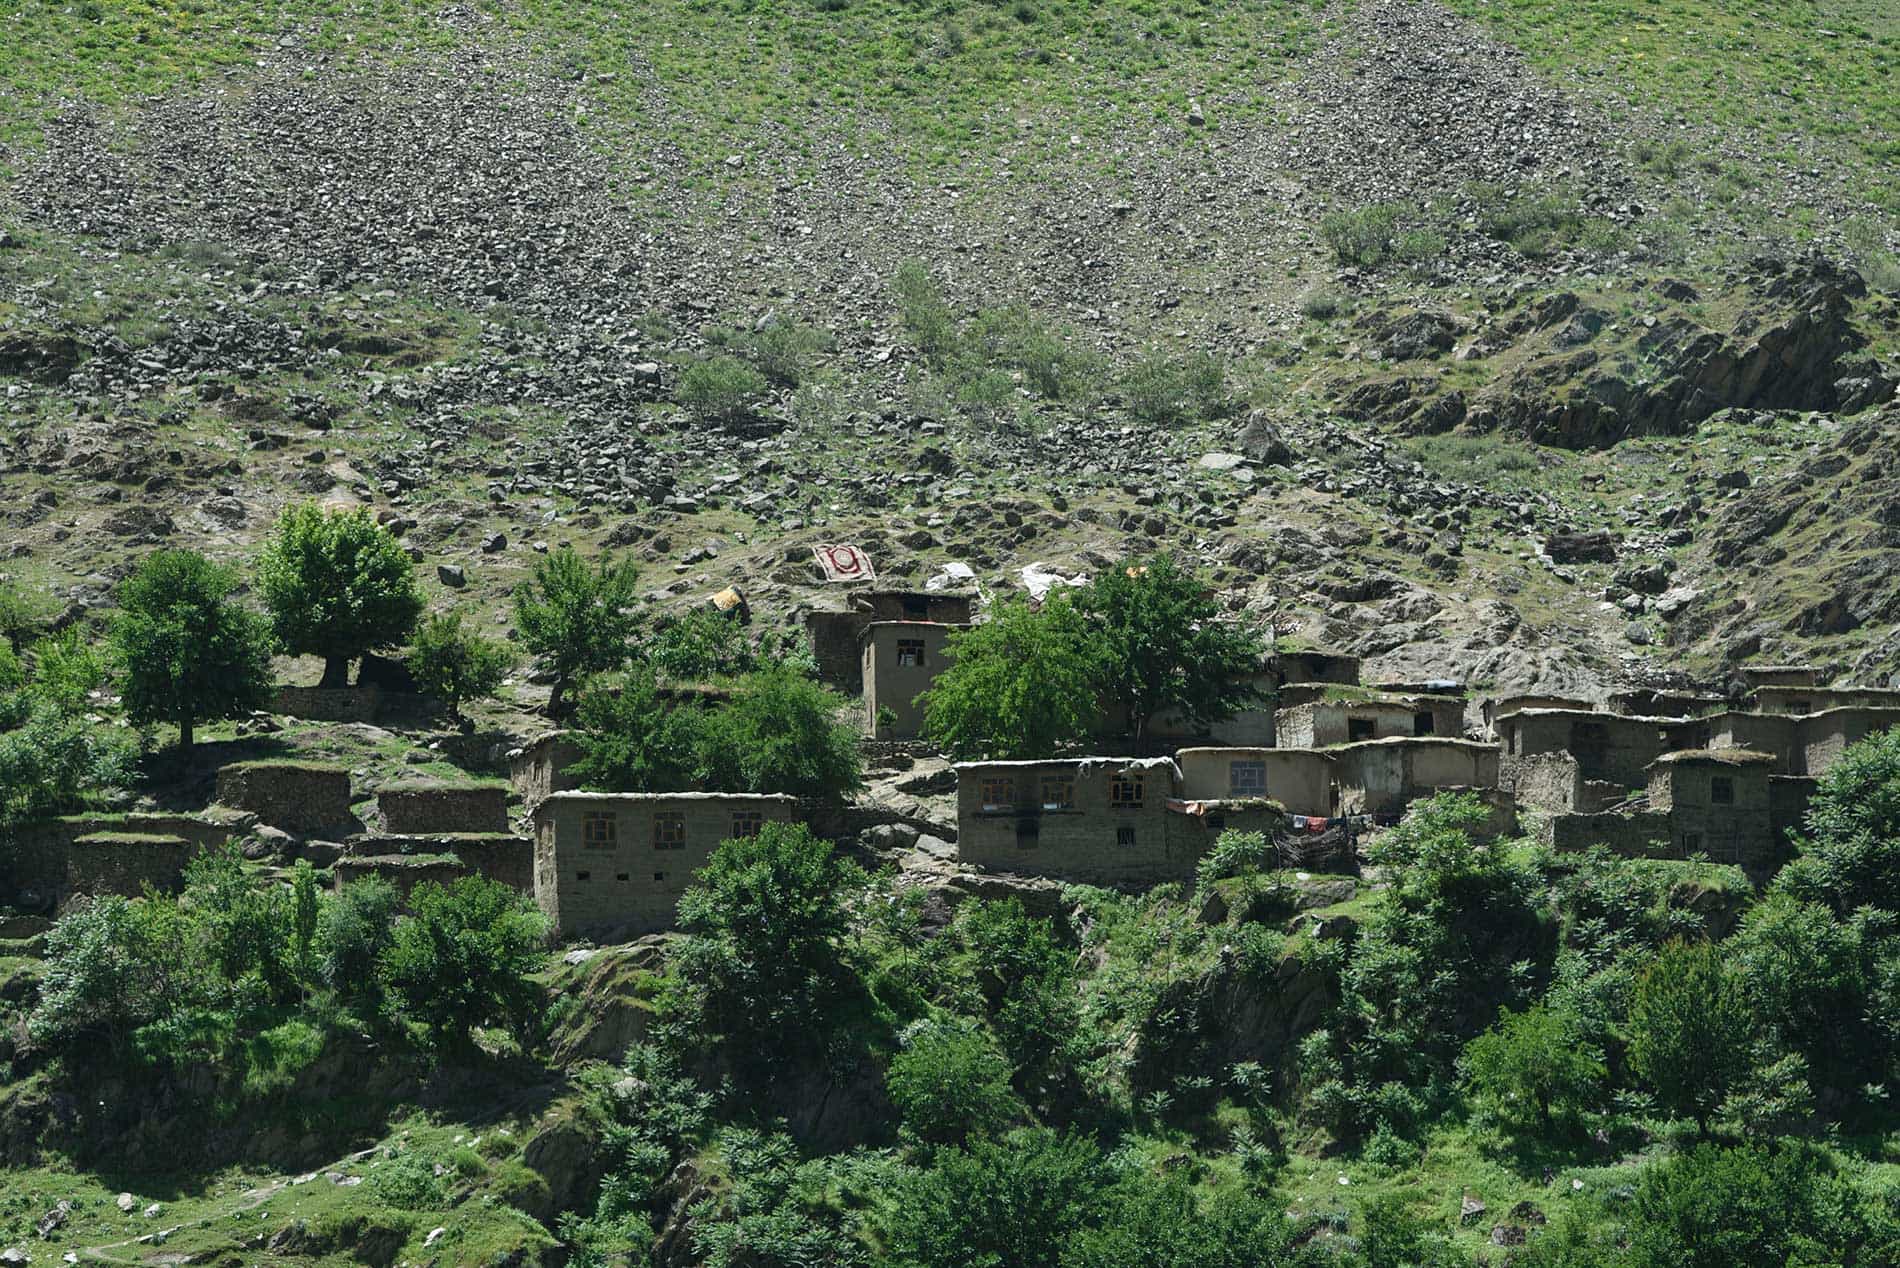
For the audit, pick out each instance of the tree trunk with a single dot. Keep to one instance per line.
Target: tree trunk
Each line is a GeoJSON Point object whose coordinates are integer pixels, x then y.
{"type": "Point", "coordinates": [185, 728]}
{"type": "Point", "coordinates": [336, 672]}
{"type": "Point", "coordinates": [557, 699]}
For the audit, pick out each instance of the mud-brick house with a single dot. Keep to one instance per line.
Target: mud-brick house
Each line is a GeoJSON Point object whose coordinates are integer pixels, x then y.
{"type": "Point", "coordinates": [1718, 803]}
{"type": "Point", "coordinates": [1313, 718]}
{"type": "Point", "coordinates": [615, 864]}
{"type": "Point", "coordinates": [1098, 819]}
{"type": "Point", "coordinates": [1612, 752]}
{"type": "Point", "coordinates": [1304, 781]}
{"type": "Point", "coordinates": [1383, 777]}
{"type": "Point", "coordinates": [1800, 701]}
{"type": "Point", "coordinates": [900, 659]}
{"type": "Point", "coordinates": [1290, 668]}
{"type": "Point", "coordinates": [837, 634]}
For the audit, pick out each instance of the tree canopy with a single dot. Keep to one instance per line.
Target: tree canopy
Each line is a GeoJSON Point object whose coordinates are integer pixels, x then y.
{"type": "Point", "coordinates": [577, 620]}
{"type": "Point", "coordinates": [337, 584]}
{"type": "Point", "coordinates": [188, 651]}
{"type": "Point", "coordinates": [1020, 685]}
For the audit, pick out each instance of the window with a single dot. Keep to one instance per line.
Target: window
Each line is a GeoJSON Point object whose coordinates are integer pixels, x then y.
{"type": "Point", "coordinates": [622, 876]}
{"type": "Point", "coordinates": [1028, 833]}
{"type": "Point", "coordinates": [669, 832]}
{"type": "Point", "coordinates": [1216, 824]}
{"type": "Point", "coordinates": [1722, 791]}
{"type": "Point", "coordinates": [598, 829]}
{"type": "Point", "coordinates": [1423, 723]}
{"type": "Point", "coordinates": [1246, 779]}
{"type": "Point", "coordinates": [746, 823]}
{"type": "Point", "coordinates": [910, 651]}
{"type": "Point", "coordinates": [1124, 836]}
{"type": "Point", "coordinates": [999, 794]}
{"type": "Point", "coordinates": [659, 876]}
{"type": "Point", "coordinates": [1058, 792]}
{"type": "Point", "coordinates": [583, 876]}
{"type": "Point", "coordinates": [1358, 729]}
{"type": "Point", "coordinates": [1692, 843]}
{"type": "Point", "coordinates": [1125, 792]}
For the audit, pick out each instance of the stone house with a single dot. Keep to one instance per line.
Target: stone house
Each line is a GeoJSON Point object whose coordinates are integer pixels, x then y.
{"type": "Point", "coordinates": [900, 661]}
{"type": "Point", "coordinates": [1491, 708]}
{"type": "Point", "coordinates": [1717, 802]}
{"type": "Point", "coordinates": [544, 766]}
{"type": "Point", "coordinates": [836, 635]}
{"type": "Point", "coordinates": [1251, 727]}
{"type": "Point", "coordinates": [1098, 819]}
{"type": "Point", "coordinates": [1289, 668]}
{"type": "Point", "coordinates": [1303, 780]}
{"type": "Point", "coordinates": [1609, 748]}
{"type": "Point", "coordinates": [1801, 700]}
{"type": "Point", "coordinates": [615, 864]}
{"type": "Point", "coordinates": [1756, 676]}
{"type": "Point", "coordinates": [1322, 723]}
{"type": "Point", "coordinates": [1383, 777]}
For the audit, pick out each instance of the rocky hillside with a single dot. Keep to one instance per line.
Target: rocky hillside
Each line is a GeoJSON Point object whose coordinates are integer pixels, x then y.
{"type": "Point", "coordinates": [1542, 372]}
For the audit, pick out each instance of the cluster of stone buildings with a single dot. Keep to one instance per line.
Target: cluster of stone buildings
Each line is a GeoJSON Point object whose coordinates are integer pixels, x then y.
{"type": "Point", "coordinates": [1323, 758]}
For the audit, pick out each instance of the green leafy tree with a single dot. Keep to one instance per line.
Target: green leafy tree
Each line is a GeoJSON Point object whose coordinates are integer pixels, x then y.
{"type": "Point", "coordinates": [700, 645]}
{"type": "Point", "coordinates": [781, 733]}
{"type": "Point", "coordinates": [67, 668]}
{"type": "Point", "coordinates": [456, 663]}
{"type": "Point", "coordinates": [248, 930]}
{"type": "Point", "coordinates": [1690, 1030]}
{"type": "Point", "coordinates": [1009, 1203]}
{"type": "Point", "coordinates": [187, 650]}
{"type": "Point", "coordinates": [1533, 1065]}
{"type": "Point", "coordinates": [305, 907]}
{"type": "Point", "coordinates": [634, 741]}
{"type": "Point", "coordinates": [1159, 646]}
{"type": "Point", "coordinates": [52, 759]}
{"type": "Point", "coordinates": [950, 1082]}
{"type": "Point", "coordinates": [114, 966]}
{"type": "Point", "coordinates": [1019, 686]}
{"type": "Point", "coordinates": [575, 619]}
{"type": "Point", "coordinates": [337, 584]}
{"type": "Point", "coordinates": [463, 956]}
{"type": "Point", "coordinates": [767, 918]}
{"type": "Point", "coordinates": [1158, 1222]}
{"type": "Point", "coordinates": [353, 930]}
{"type": "Point", "coordinates": [1746, 1207]}
{"type": "Point", "coordinates": [1852, 856]}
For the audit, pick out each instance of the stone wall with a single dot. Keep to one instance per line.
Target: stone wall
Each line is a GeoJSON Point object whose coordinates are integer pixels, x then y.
{"type": "Point", "coordinates": [1385, 776]}
{"type": "Point", "coordinates": [1324, 723]}
{"type": "Point", "coordinates": [499, 856]}
{"type": "Point", "coordinates": [411, 809]}
{"type": "Point", "coordinates": [125, 863]}
{"type": "Point", "coordinates": [1642, 834]}
{"type": "Point", "coordinates": [622, 880]}
{"type": "Point", "coordinates": [1788, 797]}
{"type": "Point", "coordinates": [1545, 781]}
{"type": "Point", "coordinates": [1606, 746]}
{"type": "Point", "coordinates": [1302, 780]}
{"type": "Point", "coordinates": [1738, 830]}
{"type": "Point", "coordinates": [305, 798]}
{"type": "Point", "coordinates": [328, 704]}
{"type": "Point", "coordinates": [404, 871]}
{"type": "Point", "coordinates": [1056, 819]}
{"type": "Point", "coordinates": [1823, 736]}
{"type": "Point", "coordinates": [35, 865]}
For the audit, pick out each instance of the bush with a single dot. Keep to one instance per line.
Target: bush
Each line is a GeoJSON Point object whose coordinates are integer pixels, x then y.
{"type": "Point", "coordinates": [1851, 857]}
{"type": "Point", "coordinates": [722, 391]}
{"type": "Point", "coordinates": [23, 615]}
{"type": "Point", "coordinates": [1533, 1066]}
{"type": "Point", "coordinates": [463, 957]}
{"type": "Point", "coordinates": [576, 621]}
{"type": "Point", "coordinates": [1243, 854]}
{"type": "Point", "coordinates": [1690, 1030]}
{"type": "Point", "coordinates": [949, 1082]}
{"type": "Point", "coordinates": [53, 759]}
{"type": "Point", "coordinates": [700, 644]}
{"type": "Point", "coordinates": [1018, 686]}
{"type": "Point", "coordinates": [353, 930]}
{"type": "Point", "coordinates": [407, 1182]}
{"type": "Point", "coordinates": [635, 742]}
{"type": "Point", "coordinates": [780, 734]}
{"type": "Point", "coordinates": [1740, 1208]}
{"type": "Point", "coordinates": [782, 350]}
{"type": "Point", "coordinates": [926, 314]}
{"type": "Point", "coordinates": [455, 663]}
{"type": "Point", "coordinates": [1014, 1202]}
{"type": "Point", "coordinates": [1168, 391]}
{"type": "Point", "coordinates": [337, 585]}
{"type": "Point", "coordinates": [188, 652]}
{"type": "Point", "coordinates": [1362, 237]}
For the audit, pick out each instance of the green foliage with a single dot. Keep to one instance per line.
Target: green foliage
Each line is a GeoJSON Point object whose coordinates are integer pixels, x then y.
{"type": "Point", "coordinates": [1852, 856]}
{"type": "Point", "coordinates": [1020, 685]}
{"type": "Point", "coordinates": [1235, 854]}
{"type": "Point", "coordinates": [1172, 390]}
{"type": "Point", "coordinates": [187, 651]}
{"type": "Point", "coordinates": [1160, 646]}
{"type": "Point", "coordinates": [112, 965]}
{"type": "Point", "coordinates": [926, 314]}
{"type": "Point", "coordinates": [23, 615]}
{"type": "Point", "coordinates": [52, 758]}
{"type": "Point", "coordinates": [455, 663]}
{"type": "Point", "coordinates": [463, 957]}
{"type": "Point", "coordinates": [633, 741]}
{"type": "Point", "coordinates": [1010, 1203]}
{"type": "Point", "coordinates": [1362, 237]}
{"type": "Point", "coordinates": [1025, 980]}
{"type": "Point", "coordinates": [1690, 1030]}
{"type": "Point", "coordinates": [576, 621]}
{"type": "Point", "coordinates": [353, 929]}
{"type": "Point", "coordinates": [1160, 1222]}
{"type": "Point", "coordinates": [305, 907]}
{"type": "Point", "coordinates": [721, 391]}
{"type": "Point", "coordinates": [1536, 223]}
{"type": "Point", "coordinates": [1534, 1066]}
{"type": "Point", "coordinates": [246, 929]}
{"type": "Point", "coordinates": [1390, 1236]}
{"type": "Point", "coordinates": [782, 1212]}
{"type": "Point", "coordinates": [949, 1082]}
{"type": "Point", "coordinates": [66, 669]}
{"type": "Point", "coordinates": [780, 733]}
{"type": "Point", "coordinates": [699, 645]}
{"type": "Point", "coordinates": [407, 1182]}
{"type": "Point", "coordinates": [1739, 1208]}
{"type": "Point", "coordinates": [781, 350]}
{"type": "Point", "coordinates": [767, 918]}
{"type": "Point", "coordinates": [653, 1113]}
{"type": "Point", "coordinates": [337, 584]}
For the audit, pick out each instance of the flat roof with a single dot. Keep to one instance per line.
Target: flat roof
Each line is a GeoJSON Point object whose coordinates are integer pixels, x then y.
{"type": "Point", "coordinates": [575, 794]}
{"type": "Point", "coordinates": [1718, 756]}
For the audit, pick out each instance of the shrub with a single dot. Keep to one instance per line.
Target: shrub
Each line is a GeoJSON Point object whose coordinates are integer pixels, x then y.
{"type": "Point", "coordinates": [337, 585]}
{"type": "Point", "coordinates": [1534, 1061]}
{"type": "Point", "coordinates": [700, 644]}
{"type": "Point", "coordinates": [780, 734]}
{"type": "Point", "coordinates": [407, 1182]}
{"type": "Point", "coordinates": [455, 663]}
{"type": "Point", "coordinates": [635, 742]}
{"type": "Point", "coordinates": [949, 1081]}
{"type": "Point", "coordinates": [188, 652]}
{"type": "Point", "coordinates": [1018, 686]}
{"type": "Point", "coordinates": [53, 759]}
{"type": "Point", "coordinates": [1015, 1201]}
{"type": "Point", "coordinates": [1243, 854]}
{"type": "Point", "coordinates": [1851, 857]}
{"type": "Point", "coordinates": [925, 313]}
{"type": "Point", "coordinates": [721, 391]}
{"type": "Point", "coordinates": [23, 614]}
{"type": "Point", "coordinates": [463, 957]}
{"type": "Point", "coordinates": [1168, 391]}
{"type": "Point", "coordinates": [1362, 237]}
{"type": "Point", "coordinates": [1689, 1030]}
{"type": "Point", "coordinates": [781, 350]}
{"type": "Point", "coordinates": [576, 621]}
{"type": "Point", "coordinates": [353, 929]}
